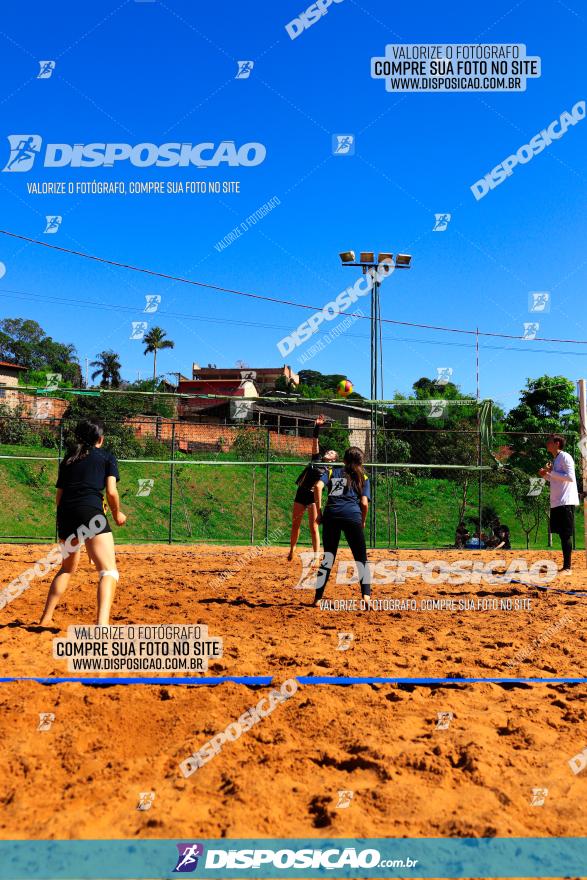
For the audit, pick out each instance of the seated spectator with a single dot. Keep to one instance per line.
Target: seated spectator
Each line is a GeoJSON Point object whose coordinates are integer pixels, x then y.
{"type": "Point", "coordinates": [461, 536]}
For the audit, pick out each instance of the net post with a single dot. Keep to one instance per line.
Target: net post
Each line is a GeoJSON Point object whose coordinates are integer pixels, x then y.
{"type": "Point", "coordinates": [171, 476]}
{"type": "Point", "coordinates": [58, 463]}
{"type": "Point", "coordinates": [267, 452]}
{"type": "Point", "coordinates": [583, 450]}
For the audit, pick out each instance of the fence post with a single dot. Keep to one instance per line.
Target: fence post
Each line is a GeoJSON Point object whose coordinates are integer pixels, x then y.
{"type": "Point", "coordinates": [252, 541]}
{"type": "Point", "coordinates": [480, 463]}
{"type": "Point", "coordinates": [172, 472]}
{"type": "Point", "coordinates": [58, 463]}
{"type": "Point", "coordinates": [267, 450]}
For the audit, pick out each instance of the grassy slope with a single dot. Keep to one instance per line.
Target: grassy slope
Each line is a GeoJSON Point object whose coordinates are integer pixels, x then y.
{"type": "Point", "coordinates": [219, 503]}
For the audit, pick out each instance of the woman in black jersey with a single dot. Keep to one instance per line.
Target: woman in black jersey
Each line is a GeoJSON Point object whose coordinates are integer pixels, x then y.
{"type": "Point", "coordinates": [304, 499]}
{"type": "Point", "coordinates": [346, 511]}
{"type": "Point", "coordinates": [83, 476]}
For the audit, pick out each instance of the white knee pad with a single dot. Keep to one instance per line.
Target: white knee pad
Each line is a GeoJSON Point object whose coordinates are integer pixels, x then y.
{"type": "Point", "coordinates": [110, 573]}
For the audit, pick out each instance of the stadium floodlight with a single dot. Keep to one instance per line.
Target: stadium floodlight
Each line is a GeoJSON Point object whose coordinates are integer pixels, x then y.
{"type": "Point", "coordinates": [376, 272]}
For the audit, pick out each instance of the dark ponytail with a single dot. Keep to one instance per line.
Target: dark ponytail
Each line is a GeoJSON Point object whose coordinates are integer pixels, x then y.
{"type": "Point", "coordinates": [87, 434]}
{"type": "Point", "coordinates": [353, 467]}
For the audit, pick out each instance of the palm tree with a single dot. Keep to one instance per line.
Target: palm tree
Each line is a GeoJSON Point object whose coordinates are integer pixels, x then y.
{"type": "Point", "coordinates": [109, 367]}
{"type": "Point", "coordinates": [154, 341]}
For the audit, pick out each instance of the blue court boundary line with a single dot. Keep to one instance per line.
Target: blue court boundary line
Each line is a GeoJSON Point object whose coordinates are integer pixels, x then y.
{"type": "Point", "coordinates": [345, 680]}
{"type": "Point", "coordinates": [250, 680]}
{"type": "Point", "coordinates": [266, 680]}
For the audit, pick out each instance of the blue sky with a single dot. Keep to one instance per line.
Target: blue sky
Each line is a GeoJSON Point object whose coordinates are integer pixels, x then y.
{"type": "Point", "coordinates": [165, 71]}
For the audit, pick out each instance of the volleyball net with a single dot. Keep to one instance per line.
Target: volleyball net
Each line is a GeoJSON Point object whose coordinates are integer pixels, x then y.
{"type": "Point", "coordinates": [222, 470]}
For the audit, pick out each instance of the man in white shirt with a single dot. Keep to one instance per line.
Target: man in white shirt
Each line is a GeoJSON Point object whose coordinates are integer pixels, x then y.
{"type": "Point", "coordinates": [564, 496]}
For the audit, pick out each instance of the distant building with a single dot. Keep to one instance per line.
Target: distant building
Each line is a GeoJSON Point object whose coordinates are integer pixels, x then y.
{"type": "Point", "coordinates": [263, 377]}
{"type": "Point", "coordinates": [31, 406]}
{"type": "Point", "coordinates": [217, 400]}
{"type": "Point", "coordinates": [9, 374]}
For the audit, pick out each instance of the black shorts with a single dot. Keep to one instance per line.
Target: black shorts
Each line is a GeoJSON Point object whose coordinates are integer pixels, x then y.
{"type": "Point", "coordinates": [562, 520]}
{"type": "Point", "coordinates": [70, 519]}
{"type": "Point", "coordinates": [304, 496]}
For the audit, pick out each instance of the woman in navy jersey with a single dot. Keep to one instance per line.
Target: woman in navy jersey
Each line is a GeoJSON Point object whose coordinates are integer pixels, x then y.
{"type": "Point", "coordinates": [84, 474]}
{"type": "Point", "coordinates": [345, 512]}
{"type": "Point", "coordinates": [304, 499]}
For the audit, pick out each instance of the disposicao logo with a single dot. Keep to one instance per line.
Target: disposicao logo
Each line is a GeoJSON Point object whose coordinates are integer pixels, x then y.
{"type": "Point", "coordinates": [24, 149]}
{"type": "Point", "coordinates": [187, 859]}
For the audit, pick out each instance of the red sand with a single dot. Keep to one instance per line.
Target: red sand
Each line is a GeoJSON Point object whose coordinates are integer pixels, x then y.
{"type": "Point", "coordinates": [82, 778]}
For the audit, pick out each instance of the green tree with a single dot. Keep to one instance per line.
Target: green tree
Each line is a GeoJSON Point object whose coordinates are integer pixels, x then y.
{"type": "Point", "coordinates": [24, 342]}
{"type": "Point", "coordinates": [530, 502]}
{"type": "Point", "coordinates": [155, 341]}
{"type": "Point", "coordinates": [108, 367]}
{"type": "Point", "coordinates": [547, 405]}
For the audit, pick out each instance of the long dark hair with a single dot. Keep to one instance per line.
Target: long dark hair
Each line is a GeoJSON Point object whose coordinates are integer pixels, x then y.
{"type": "Point", "coordinates": [353, 468]}
{"type": "Point", "coordinates": [87, 434]}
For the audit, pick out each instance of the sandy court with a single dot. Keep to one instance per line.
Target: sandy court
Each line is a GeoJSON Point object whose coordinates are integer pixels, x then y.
{"type": "Point", "coordinates": [83, 777]}
{"type": "Point", "coordinates": [248, 597]}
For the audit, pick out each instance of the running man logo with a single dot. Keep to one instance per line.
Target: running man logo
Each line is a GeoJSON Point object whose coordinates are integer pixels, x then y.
{"type": "Point", "coordinates": [54, 221]}
{"type": "Point", "coordinates": [46, 69]}
{"type": "Point", "coordinates": [344, 641]}
{"type": "Point", "coordinates": [311, 578]}
{"type": "Point", "coordinates": [536, 486]}
{"type": "Point", "coordinates": [345, 797]}
{"type": "Point", "coordinates": [443, 720]}
{"type": "Point", "coordinates": [153, 301]}
{"type": "Point", "coordinates": [145, 488]}
{"type": "Point", "coordinates": [441, 222]}
{"type": "Point", "coordinates": [343, 145]}
{"type": "Point", "coordinates": [139, 328]}
{"type": "Point", "coordinates": [578, 762]}
{"type": "Point", "coordinates": [444, 375]}
{"type": "Point", "coordinates": [187, 860]}
{"type": "Point", "coordinates": [244, 69]}
{"type": "Point", "coordinates": [241, 409]}
{"type": "Point", "coordinates": [247, 376]}
{"type": "Point", "coordinates": [437, 409]}
{"type": "Point", "coordinates": [43, 409]}
{"type": "Point", "coordinates": [146, 799]}
{"type": "Point", "coordinates": [46, 719]}
{"type": "Point", "coordinates": [52, 381]}
{"type": "Point", "coordinates": [24, 149]}
{"type": "Point", "coordinates": [530, 330]}
{"type": "Point", "coordinates": [539, 795]}
{"type": "Point", "coordinates": [539, 301]}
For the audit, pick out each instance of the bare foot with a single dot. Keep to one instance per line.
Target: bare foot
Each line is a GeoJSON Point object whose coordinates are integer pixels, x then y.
{"type": "Point", "coordinates": [290, 555]}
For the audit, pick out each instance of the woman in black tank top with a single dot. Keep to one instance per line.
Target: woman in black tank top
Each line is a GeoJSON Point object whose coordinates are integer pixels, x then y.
{"type": "Point", "coordinates": [84, 475]}
{"type": "Point", "coordinates": [304, 498]}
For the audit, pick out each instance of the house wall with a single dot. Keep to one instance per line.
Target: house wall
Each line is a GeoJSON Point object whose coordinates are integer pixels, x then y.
{"type": "Point", "coordinates": [191, 437]}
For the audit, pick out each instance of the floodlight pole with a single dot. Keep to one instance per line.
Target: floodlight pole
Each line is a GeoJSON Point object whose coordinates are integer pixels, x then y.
{"type": "Point", "coordinates": [374, 397]}
{"type": "Point", "coordinates": [372, 266]}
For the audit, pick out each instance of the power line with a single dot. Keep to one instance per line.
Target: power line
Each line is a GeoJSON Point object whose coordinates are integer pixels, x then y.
{"type": "Point", "coordinates": [93, 304]}
{"type": "Point", "coordinates": [277, 300]}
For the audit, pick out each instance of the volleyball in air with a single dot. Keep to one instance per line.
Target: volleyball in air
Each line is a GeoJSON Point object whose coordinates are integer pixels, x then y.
{"type": "Point", "coordinates": [344, 388]}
